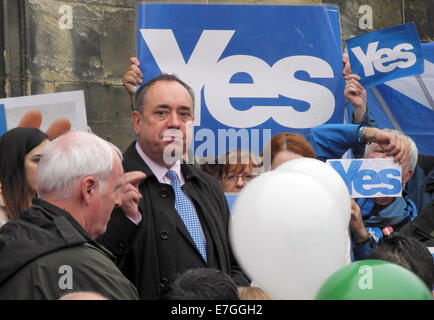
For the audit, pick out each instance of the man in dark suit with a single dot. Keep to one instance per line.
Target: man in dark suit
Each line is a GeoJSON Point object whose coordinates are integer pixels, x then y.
{"type": "Point", "coordinates": [160, 242]}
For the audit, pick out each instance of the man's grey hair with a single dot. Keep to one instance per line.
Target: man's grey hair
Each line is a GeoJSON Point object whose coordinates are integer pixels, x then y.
{"type": "Point", "coordinates": [412, 161]}
{"type": "Point", "coordinates": [71, 157]}
{"type": "Point", "coordinates": [143, 90]}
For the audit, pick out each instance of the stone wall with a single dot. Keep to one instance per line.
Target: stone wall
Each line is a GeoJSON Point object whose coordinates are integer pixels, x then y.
{"type": "Point", "coordinates": [53, 46]}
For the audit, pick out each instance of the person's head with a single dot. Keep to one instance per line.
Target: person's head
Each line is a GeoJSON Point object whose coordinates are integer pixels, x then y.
{"type": "Point", "coordinates": [374, 150]}
{"type": "Point", "coordinates": [201, 284]}
{"type": "Point", "coordinates": [20, 151]}
{"type": "Point", "coordinates": [82, 173]}
{"type": "Point", "coordinates": [284, 147]}
{"type": "Point", "coordinates": [408, 253]}
{"type": "Point", "coordinates": [240, 168]}
{"type": "Point", "coordinates": [164, 111]}
{"type": "Point", "coordinates": [83, 295]}
{"type": "Point", "coordinates": [253, 293]}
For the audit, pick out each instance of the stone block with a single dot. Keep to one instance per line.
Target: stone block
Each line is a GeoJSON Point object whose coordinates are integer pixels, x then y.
{"type": "Point", "coordinates": [111, 3]}
{"type": "Point", "coordinates": [421, 12]}
{"type": "Point", "coordinates": [119, 42]}
{"type": "Point", "coordinates": [58, 54]}
{"type": "Point", "coordinates": [385, 13]}
{"type": "Point", "coordinates": [108, 111]}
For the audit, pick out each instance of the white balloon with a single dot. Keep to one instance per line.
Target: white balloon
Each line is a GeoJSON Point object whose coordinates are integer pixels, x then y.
{"type": "Point", "coordinates": [286, 234]}
{"type": "Point", "coordinates": [333, 182]}
{"type": "Point", "coordinates": [327, 176]}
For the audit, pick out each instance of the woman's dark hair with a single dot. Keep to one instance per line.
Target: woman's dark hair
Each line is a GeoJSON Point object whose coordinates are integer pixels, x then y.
{"type": "Point", "coordinates": [14, 145]}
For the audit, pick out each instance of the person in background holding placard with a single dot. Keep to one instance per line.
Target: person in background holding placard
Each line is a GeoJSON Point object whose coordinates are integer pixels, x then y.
{"type": "Point", "coordinates": [420, 187]}
{"type": "Point", "coordinates": [382, 215]}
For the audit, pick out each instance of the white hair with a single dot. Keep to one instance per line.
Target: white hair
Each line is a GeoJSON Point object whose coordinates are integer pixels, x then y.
{"type": "Point", "coordinates": [71, 157]}
{"type": "Point", "coordinates": [412, 160]}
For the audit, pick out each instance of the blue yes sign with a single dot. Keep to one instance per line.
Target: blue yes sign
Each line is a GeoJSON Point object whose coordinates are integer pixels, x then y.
{"type": "Point", "coordinates": [386, 54]}
{"type": "Point", "coordinates": [251, 67]}
{"type": "Point", "coordinates": [370, 178]}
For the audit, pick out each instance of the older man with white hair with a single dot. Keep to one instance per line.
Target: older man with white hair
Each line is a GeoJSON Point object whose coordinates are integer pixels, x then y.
{"type": "Point", "coordinates": [49, 250]}
{"type": "Point", "coordinates": [372, 218]}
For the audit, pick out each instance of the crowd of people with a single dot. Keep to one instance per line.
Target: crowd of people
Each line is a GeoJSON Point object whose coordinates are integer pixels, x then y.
{"type": "Point", "coordinates": [81, 220]}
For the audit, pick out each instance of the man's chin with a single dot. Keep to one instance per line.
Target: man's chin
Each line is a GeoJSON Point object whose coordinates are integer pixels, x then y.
{"type": "Point", "coordinates": [173, 153]}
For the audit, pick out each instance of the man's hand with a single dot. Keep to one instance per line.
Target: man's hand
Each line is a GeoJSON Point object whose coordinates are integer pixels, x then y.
{"type": "Point", "coordinates": [356, 223]}
{"type": "Point", "coordinates": [390, 143]}
{"type": "Point", "coordinates": [347, 67]}
{"type": "Point", "coordinates": [132, 78]}
{"type": "Point", "coordinates": [356, 94]}
{"type": "Point", "coordinates": [129, 194]}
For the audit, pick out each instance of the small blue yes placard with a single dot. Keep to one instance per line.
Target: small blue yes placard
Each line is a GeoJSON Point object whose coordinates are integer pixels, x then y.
{"type": "Point", "coordinates": [386, 54]}
{"type": "Point", "coordinates": [370, 178]}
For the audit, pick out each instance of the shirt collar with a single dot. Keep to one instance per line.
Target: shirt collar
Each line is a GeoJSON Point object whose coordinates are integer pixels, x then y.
{"type": "Point", "coordinates": [158, 170]}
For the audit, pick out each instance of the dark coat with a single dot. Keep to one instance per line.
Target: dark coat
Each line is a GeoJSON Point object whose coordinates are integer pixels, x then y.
{"type": "Point", "coordinates": [45, 253]}
{"type": "Point", "coordinates": [152, 253]}
{"type": "Point", "coordinates": [422, 227]}
{"type": "Point", "coordinates": [420, 187]}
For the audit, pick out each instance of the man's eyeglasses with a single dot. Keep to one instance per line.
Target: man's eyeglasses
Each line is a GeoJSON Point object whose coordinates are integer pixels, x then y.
{"type": "Point", "coordinates": [232, 178]}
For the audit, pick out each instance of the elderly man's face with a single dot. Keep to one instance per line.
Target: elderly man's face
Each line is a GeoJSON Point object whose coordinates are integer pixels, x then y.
{"type": "Point", "coordinates": [377, 152]}
{"type": "Point", "coordinates": [105, 199]}
{"type": "Point", "coordinates": [168, 108]}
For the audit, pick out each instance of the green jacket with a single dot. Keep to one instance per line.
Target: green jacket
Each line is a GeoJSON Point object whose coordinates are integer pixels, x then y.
{"type": "Point", "coordinates": [45, 254]}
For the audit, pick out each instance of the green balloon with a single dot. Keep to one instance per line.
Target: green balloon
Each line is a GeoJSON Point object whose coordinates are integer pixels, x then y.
{"type": "Point", "coordinates": [373, 280]}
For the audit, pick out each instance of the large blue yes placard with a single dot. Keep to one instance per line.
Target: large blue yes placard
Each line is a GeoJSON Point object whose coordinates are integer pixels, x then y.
{"type": "Point", "coordinates": [386, 54]}
{"type": "Point", "coordinates": [253, 67]}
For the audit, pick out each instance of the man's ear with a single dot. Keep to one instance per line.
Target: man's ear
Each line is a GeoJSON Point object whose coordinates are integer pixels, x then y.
{"type": "Point", "coordinates": [136, 117]}
{"type": "Point", "coordinates": [407, 177]}
{"type": "Point", "coordinates": [89, 188]}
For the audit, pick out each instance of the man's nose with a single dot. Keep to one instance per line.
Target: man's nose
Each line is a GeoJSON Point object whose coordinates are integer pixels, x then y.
{"type": "Point", "coordinates": [174, 121]}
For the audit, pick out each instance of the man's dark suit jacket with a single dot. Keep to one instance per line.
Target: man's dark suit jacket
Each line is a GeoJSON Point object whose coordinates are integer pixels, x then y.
{"type": "Point", "coordinates": [151, 254]}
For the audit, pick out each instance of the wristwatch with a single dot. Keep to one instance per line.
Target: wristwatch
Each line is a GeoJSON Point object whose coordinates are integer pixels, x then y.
{"type": "Point", "coordinates": [370, 240]}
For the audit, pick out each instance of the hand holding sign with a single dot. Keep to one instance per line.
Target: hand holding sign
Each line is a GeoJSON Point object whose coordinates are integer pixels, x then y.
{"type": "Point", "coordinates": [392, 144]}
{"type": "Point", "coordinates": [356, 223]}
{"type": "Point", "coordinates": [356, 94]}
{"type": "Point", "coordinates": [132, 78]}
